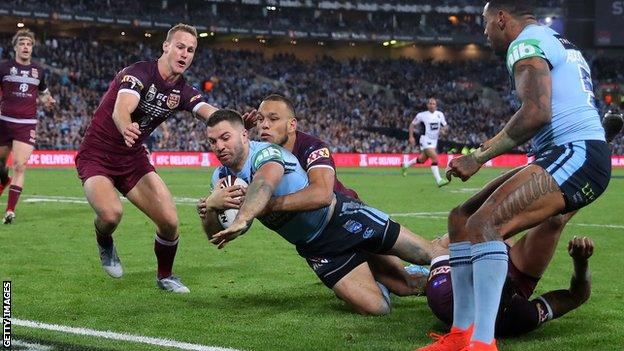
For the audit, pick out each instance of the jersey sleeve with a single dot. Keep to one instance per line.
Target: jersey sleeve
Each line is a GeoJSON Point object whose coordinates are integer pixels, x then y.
{"type": "Point", "coordinates": [416, 119]}
{"type": "Point", "coordinates": [215, 178]}
{"type": "Point", "coordinates": [317, 156]}
{"type": "Point", "coordinates": [533, 44]}
{"type": "Point", "coordinates": [192, 99]}
{"type": "Point", "coordinates": [43, 85]}
{"type": "Point", "coordinates": [133, 79]}
{"type": "Point", "coordinates": [443, 119]}
{"type": "Point", "coordinates": [271, 153]}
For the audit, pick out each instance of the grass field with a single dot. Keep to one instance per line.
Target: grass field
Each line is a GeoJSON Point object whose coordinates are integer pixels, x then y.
{"type": "Point", "coordinates": [258, 294]}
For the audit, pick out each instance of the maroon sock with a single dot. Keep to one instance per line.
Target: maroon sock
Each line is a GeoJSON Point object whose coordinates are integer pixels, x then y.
{"type": "Point", "coordinates": [165, 251]}
{"type": "Point", "coordinates": [103, 240]}
{"type": "Point", "coordinates": [14, 194]}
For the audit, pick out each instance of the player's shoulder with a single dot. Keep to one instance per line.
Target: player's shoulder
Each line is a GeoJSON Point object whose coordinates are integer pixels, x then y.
{"type": "Point", "coordinates": [6, 64]}
{"type": "Point", "coordinates": [140, 68]}
{"type": "Point", "coordinates": [262, 152]}
{"type": "Point", "coordinates": [533, 41]}
{"type": "Point", "coordinates": [307, 141]}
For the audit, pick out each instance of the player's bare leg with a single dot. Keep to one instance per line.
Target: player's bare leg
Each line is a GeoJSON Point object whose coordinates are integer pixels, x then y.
{"type": "Point", "coordinates": [433, 155]}
{"type": "Point", "coordinates": [390, 271]}
{"type": "Point", "coordinates": [21, 154]}
{"type": "Point", "coordinates": [362, 293]}
{"type": "Point", "coordinates": [533, 252]}
{"type": "Point", "coordinates": [525, 200]}
{"type": "Point", "coordinates": [153, 198]}
{"type": "Point", "coordinates": [461, 269]}
{"type": "Point", "coordinates": [422, 158]}
{"type": "Point", "coordinates": [5, 180]}
{"type": "Point", "coordinates": [103, 198]}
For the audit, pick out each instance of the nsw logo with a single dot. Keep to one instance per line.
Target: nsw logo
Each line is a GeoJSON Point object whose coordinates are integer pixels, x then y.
{"type": "Point", "coordinates": [352, 226]}
{"type": "Point", "coordinates": [369, 232]}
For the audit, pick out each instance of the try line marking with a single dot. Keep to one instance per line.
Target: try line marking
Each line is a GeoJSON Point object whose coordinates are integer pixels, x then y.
{"type": "Point", "coordinates": [117, 336]}
{"type": "Point", "coordinates": [193, 202]}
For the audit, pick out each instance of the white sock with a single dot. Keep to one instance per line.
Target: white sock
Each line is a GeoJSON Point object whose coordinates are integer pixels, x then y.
{"type": "Point", "coordinates": [436, 173]}
{"type": "Point", "coordinates": [411, 162]}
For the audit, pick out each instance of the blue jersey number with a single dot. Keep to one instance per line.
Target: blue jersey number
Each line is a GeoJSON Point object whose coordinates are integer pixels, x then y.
{"type": "Point", "coordinates": [588, 86]}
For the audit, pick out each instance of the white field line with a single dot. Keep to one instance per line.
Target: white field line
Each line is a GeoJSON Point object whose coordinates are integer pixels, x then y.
{"type": "Point", "coordinates": [117, 336]}
{"type": "Point", "coordinates": [30, 346]}
{"type": "Point", "coordinates": [192, 201]}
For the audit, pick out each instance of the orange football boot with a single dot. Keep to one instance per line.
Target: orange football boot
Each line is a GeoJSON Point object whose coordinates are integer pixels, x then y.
{"type": "Point", "coordinates": [456, 340]}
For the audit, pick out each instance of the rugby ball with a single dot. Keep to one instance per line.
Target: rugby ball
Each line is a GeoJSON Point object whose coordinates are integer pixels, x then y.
{"type": "Point", "coordinates": [226, 217]}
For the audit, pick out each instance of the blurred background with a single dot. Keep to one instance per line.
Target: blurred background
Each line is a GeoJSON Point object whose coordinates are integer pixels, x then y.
{"type": "Point", "coordinates": [358, 71]}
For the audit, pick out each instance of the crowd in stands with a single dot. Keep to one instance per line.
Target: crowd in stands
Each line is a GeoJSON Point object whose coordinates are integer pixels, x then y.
{"type": "Point", "coordinates": [358, 105]}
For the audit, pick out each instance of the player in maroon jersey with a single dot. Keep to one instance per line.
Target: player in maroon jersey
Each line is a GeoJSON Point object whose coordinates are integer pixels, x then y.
{"type": "Point", "coordinates": [139, 98]}
{"type": "Point", "coordinates": [22, 81]}
{"type": "Point", "coordinates": [528, 259]}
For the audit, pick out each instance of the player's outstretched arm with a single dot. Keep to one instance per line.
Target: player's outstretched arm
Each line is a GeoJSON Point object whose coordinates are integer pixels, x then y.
{"type": "Point", "coordinates": [125, 104]}
{"type": "Point", "coordinates": [534, 89]}
{"type": "Point", "coordinates": [205, 111]}
{"type": "Point", "coordinates": [220, 199]}
{"type": "Point", "coordinates": [564, 301]}
{"type": "Point", "coordinates": [319, 193]}
{"type": "Point", "coordinates": [258, 194]}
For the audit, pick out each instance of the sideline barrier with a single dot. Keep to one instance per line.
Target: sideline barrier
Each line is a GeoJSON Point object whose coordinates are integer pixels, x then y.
{"type": "Point", "coordinates": [42, 158]}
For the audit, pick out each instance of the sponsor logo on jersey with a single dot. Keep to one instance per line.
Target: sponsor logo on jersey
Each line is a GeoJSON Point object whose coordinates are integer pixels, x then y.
{"type": "Point", "coordinates": [542, 312]}
{"type": "Point", "coordinates": [440, 270]}
{"type": "Point", "coordinates": [523, 49]}
{"type": "Point", "coordinates": [267, 154]}
{"type": "Point", "coordinates": [369, 232]}
{"type": "Point", "coordinates": [13, 71]}
{"type": "Point", "coordinates": [151, 93]}
{"type": "Point", "coordinates": [134, 82]}
{"type": "Point", "coordinates": [173, 100]}
{"type": "Point", "coordinates": [34, 73]}
{"type": "Point", "coordinates": [352, 226]}
{"type": "Point", "coordinates": [317, 154]}
{"type": "Point", "coordinates": [23, 87]}
{"type": "Point", "coordinates": [198, 96]}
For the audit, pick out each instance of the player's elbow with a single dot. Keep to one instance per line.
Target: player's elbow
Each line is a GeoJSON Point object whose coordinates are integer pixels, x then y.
{"type": "Point", "coordinates": [325, 198]}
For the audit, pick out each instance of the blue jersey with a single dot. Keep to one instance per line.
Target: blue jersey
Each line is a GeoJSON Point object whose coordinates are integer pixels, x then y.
{"type": "Point", "coordinates": [574, 113]}
{"type": "Point", "coordinates": [296, 227]}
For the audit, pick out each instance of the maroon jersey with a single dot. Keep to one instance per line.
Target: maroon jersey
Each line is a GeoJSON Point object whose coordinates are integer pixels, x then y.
{"type": "Point", "coordinates": [312, 152]}
{"type": "Point", "coordinates": [20, 85]}
{"type": "Point", "coordinates": [157, 101]}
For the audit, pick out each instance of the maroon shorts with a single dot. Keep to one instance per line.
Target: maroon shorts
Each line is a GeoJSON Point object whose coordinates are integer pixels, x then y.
{"type": "Point", "coordinates": [525, 284]}
{"type": "Point", "coordinates": [10, 131]}
{"type": "Point", "coordinates": [124, 171]}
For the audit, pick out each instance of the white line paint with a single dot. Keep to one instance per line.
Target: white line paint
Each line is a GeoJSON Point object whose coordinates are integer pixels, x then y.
{"type": "Point", "coordinates": [117, 336]}
{"type": "Point", "coordinates": [30, 346]}
{"type": "Point", "coordinates": [192, 201]}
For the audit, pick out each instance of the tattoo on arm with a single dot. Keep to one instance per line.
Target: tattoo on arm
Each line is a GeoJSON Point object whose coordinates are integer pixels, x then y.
{"type": "Point", "coordinates": [534, 88]}
{"type": "Point", "coordinates": [258, 195]}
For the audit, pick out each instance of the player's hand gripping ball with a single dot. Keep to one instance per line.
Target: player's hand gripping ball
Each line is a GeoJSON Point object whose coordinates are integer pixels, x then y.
{"type": "Point", "coordinates": [226, 217]}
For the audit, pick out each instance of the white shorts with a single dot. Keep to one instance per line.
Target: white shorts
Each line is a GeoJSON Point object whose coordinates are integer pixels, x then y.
{"type": "Point", "coordinates": [427, 143]}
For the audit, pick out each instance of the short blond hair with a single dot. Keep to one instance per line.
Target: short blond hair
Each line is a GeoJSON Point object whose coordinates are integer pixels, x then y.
{"type": "Point", "coordinates": [23, 33]}
{"type": "Point", "coordinates": [181, 27]}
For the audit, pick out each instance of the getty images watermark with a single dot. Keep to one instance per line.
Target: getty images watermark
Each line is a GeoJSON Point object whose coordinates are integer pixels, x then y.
{"type": "Point", "coordinates": [6, 314]}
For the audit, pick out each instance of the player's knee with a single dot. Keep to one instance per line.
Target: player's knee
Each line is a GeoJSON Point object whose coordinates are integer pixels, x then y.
{"type": "Point", "coordinates": [19, 167]}
{"type": "Point", "coordinates": [456, 221]}
{"type": "Point", "coordinates": [480, 228]}
{"type": "Point", "coordinates": [110, 217]}
{"type": "Point", "coordinates": [374, 307]}
{"type": "Point", "coordinates": [168, 226]}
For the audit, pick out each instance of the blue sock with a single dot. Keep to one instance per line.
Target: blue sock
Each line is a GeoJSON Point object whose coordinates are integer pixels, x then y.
{"type": "Point", "coordinates": [385, 292]}
{"type": "Point", "coordinates": [489, 264]}
{"type": "Point", "coordinates": [461, 279]}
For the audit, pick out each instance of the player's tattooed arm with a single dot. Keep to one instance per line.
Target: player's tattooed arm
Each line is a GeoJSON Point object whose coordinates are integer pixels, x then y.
{"type": "Point", "coordinates": [534, 89]}
{"type": "Point", "coordinates": [259, 193]}
{"type": "Point", "coordinates": [564, 301]}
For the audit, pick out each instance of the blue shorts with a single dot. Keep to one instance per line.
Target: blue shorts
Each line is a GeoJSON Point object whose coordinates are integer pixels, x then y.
{"type": "Point", "coordinates": [582, 169]}
{"type": "Point", "coordinates": [354, 231]}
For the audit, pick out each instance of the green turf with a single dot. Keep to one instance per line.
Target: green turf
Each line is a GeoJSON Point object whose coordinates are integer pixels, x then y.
{"type": "Point", "coordinates": [258, 294]}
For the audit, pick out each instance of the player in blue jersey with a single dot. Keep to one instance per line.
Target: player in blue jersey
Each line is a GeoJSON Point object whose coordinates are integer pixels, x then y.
{"type": "Point", "coordinates": [330, 238]}
{"type": "Point", "coordinates": [571, 169]}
